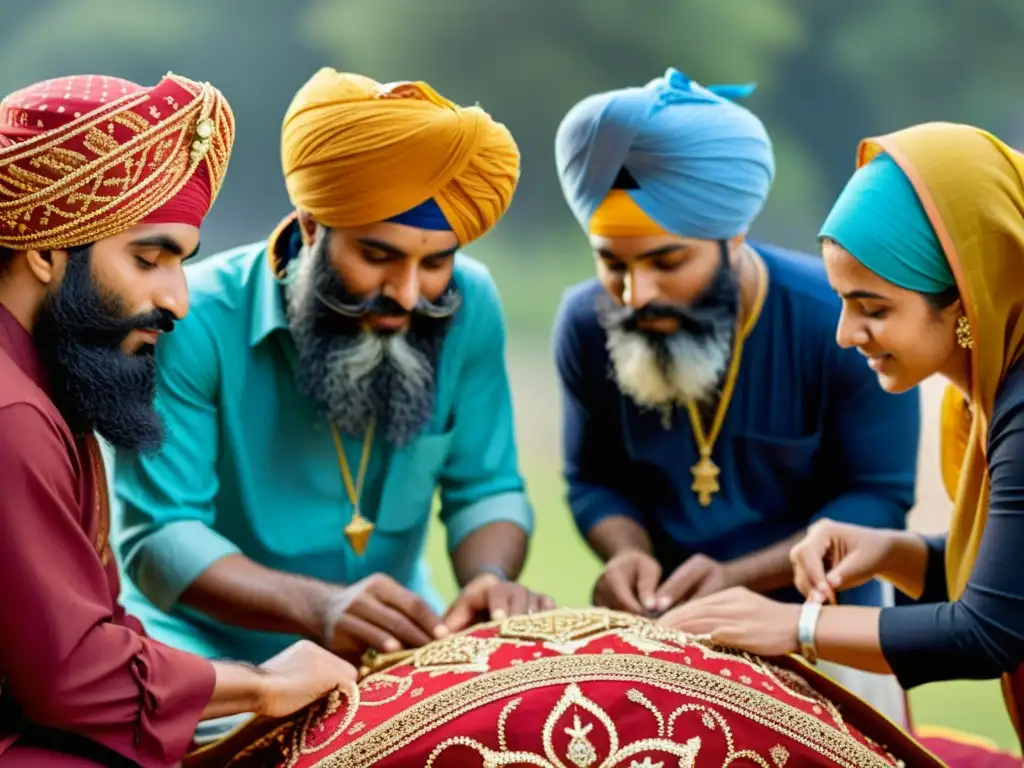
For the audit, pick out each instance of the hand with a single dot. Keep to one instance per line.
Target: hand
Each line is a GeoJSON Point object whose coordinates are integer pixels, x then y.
{"type": "Point", "coordinates": [299, 675]}
{"type": "Point", "coordinates": [741, 619]}
{"type": "Point", "coordinates": [836, 556]}
{"type": "Point", "coordinates": [628, 583]}
{"type": "Point", "coordinates": [488, 597]}
{"type": "Point", "coordinates": [697, 577]}
{"type": "Point", "coordinates": [379, 613]}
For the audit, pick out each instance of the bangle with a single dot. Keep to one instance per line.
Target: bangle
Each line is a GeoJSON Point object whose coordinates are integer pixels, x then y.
{"type": "Point", "coordinates": [806, 629]}
{"type": "Point", "coordinates": [495, 570]}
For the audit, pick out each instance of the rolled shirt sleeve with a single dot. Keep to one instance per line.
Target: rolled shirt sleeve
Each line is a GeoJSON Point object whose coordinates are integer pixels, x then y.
{"type": "Point", "coordinates": [480, 482]}
{"type": "Point", "coordinates": [64, 657]}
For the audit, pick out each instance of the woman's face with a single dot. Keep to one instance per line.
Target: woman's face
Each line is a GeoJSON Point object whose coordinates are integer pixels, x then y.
{"type": "Point", "coordinates": [903, 337]}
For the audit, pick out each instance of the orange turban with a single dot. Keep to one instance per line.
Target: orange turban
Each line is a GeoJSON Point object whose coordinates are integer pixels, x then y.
{"type": "Point", "coordinates": [89, 156]}
{"type": "Point", "coordinates": [356, 152]}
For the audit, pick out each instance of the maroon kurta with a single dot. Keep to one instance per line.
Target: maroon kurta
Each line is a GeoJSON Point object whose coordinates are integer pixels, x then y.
{"type": "Point", "coordinates": [71, 660]}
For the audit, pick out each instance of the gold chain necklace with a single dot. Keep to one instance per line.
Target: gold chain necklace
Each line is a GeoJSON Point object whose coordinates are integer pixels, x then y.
{"type": "Point", "coordinates": [705, 472]}
{"type": "Point", "coordinates": [359, 528]}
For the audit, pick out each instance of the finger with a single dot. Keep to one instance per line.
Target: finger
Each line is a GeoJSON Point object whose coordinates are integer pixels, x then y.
{"type": "Point", "coordinates": [460, 616]}
{"type": "Point", "coordinates": [367, 634]}
{"type": "Point", "coordinates": [808, 558]}
{"type": "Point", "coordinates": [407, 632]}
{"type": "Point", "coordinates": [502, 602]}
{"type": "Point", "coordinates": [679, 585]}
{"type": "Point", "coordinates": [409, 604]}
{"type": "Point", "coordinates": [539, 603]}
{"type": "Point", "coordinates": [620, 586]}
{"type": "Point", "coordinates": [648, 575]}
{"type": "Point", "coordinates": [847, 572]}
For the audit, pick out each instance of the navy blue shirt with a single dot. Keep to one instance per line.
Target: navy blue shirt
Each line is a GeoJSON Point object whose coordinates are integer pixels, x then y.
{"type": "Point", "coordinates": [809, 433]}
{"type": "Point", "coordinates": [981, 635]}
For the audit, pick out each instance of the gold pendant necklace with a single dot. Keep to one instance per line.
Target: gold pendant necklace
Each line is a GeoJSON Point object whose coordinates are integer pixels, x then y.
{"type": "Point", "coordinates": [359, 528]}
{"type": "Point", "coordinates": [705, 472]}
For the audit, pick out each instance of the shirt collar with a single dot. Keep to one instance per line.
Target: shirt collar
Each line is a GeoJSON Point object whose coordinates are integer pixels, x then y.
{"type": "Point", "coordinates": [17, 341]}
{"type": "Point", "coordinates": [268, 313]}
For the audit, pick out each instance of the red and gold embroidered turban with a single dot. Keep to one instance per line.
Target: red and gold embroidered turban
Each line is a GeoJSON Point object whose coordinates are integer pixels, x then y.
{"type": "Point", "coordinates": [89, 156]}
{"type": "Point", "coordinates": [578, 689]}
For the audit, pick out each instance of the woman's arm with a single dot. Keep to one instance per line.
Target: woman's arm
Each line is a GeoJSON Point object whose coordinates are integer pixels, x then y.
{"type": "Point", "coordinates": [979, 636]}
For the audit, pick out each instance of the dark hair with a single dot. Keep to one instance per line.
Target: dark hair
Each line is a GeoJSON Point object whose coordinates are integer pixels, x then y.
{"type": "Point", "coordinates": [937, 301]}
{"type": "Point", "coordinates": [942, 299]}
{"type": "Point", "coordinates": [6, 256]}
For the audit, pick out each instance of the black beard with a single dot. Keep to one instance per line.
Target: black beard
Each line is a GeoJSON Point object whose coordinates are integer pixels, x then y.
{"type": "Point", "coordinates": [357, 376]}
{"type": "Point", "coordinates": [78, 336]}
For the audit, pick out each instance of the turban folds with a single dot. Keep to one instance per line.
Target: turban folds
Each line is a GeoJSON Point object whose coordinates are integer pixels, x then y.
{"type": "Point", "coordinates": [879, 219]}
{"type": "Point", "coordinates": [89, 156]}
{"type": "Point", "coordinates": [703, 164]}
{"type": "Point", "coordinates": [356, 152]}
{"type": "Point", "coordinates": [589, 688]}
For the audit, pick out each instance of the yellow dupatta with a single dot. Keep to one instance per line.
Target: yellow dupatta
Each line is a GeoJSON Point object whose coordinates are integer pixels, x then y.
{"type": "Point", "coordinates": [971, 185]}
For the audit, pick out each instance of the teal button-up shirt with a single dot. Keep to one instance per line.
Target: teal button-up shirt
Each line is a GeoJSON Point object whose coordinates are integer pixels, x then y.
{"type": "Point", "coordinates": [250, 465]}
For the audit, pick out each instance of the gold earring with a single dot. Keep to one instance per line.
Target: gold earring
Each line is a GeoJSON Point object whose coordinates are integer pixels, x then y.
{"type": "Point", "coordinates": [964, 337]}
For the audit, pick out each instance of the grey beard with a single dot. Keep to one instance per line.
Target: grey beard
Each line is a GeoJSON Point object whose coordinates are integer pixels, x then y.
{"type": "Point", "coordinates": [670, 371]}
{"type": "Point", "coordinates": [355, 376]}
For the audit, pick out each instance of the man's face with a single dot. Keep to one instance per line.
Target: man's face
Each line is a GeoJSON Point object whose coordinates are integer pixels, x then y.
{"type": "Point", "coordinates": [670, 313]}
{"type": "Point", "coordinates": [368, 310]}
{"type": "Point", "coordinates": [105, 306]}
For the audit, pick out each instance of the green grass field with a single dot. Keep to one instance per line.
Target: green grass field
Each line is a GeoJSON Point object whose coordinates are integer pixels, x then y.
{"type": "Point", "coordinates": [561, 565]}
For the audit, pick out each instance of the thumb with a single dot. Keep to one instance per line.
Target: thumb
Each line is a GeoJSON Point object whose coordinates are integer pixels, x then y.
{"type": "Point", "coordinates": [647, 577]}
{"type": "Point", "coordinates": [848, 572]}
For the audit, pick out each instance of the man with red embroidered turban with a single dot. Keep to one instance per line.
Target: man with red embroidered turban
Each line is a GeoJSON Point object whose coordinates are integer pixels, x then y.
{"type": "Point", "coordinates": [103, 186]}
{"type": "Point", "coordinates": [326, 384]}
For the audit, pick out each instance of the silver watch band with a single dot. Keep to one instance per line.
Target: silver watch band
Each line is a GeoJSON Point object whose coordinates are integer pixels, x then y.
{"type": "Point", "coordinates": [806, 630]}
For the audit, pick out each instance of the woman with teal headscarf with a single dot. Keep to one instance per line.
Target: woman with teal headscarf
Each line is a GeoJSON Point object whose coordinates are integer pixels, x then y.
{"type": "Point", "coordinates": [926, 247]}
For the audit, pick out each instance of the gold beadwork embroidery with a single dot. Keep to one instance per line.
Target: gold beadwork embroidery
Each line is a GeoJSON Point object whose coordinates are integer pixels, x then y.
{"type": "Point", "coordinates": [71, 196]}
{"type": "Point", "coordinates": [445, 706]}
{"type": "Point", "coordinates": [459, 653]}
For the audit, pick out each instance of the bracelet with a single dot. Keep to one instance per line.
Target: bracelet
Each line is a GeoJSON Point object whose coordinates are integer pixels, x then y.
{"type": "Point", "coordinates": [495, 570]}
{"type": "Point", "coordinates": [806, 629]}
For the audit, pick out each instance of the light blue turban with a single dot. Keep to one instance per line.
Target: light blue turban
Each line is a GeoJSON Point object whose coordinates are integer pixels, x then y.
{"type": "Point", "coordinates": [880, 221]}
{"type": "Point", "coordinates": [704, 164]}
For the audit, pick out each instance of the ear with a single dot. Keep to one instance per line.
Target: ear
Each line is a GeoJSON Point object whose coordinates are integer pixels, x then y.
{"type": "Point", "coordinates": [41, 265]}
{"type": "Point", "coordinates": [307, 227]}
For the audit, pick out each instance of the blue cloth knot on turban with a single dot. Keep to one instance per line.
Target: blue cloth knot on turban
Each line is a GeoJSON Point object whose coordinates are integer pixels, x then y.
{"type": "Point", "coordinates": [703, 164]}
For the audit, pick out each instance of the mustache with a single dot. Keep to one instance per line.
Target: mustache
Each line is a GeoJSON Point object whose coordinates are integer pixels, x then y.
{"type": "Point", "coordinates": [107, 330]}
{"type": "Point", "coordinates": [379, 304]}
{"type": "Point", "coordinates": [696, 321]}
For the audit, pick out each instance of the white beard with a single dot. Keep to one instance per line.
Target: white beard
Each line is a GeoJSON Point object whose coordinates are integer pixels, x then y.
{"type": "Point", "coordinates": [690, 374]}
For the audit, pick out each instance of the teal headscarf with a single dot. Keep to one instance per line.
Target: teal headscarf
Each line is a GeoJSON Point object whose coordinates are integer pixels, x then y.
{"type": "Point", "coordinates": [879, 219]}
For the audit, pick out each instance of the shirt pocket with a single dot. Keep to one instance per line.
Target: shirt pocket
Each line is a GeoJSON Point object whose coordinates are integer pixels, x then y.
{"type": "Point", "coordinates": [411, 483]}
{"type": "Point", "coordinates": [775, 473]}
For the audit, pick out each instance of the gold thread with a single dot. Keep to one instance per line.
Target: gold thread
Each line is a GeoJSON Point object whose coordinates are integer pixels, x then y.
{"type": "Point", "coordinates": [93, 223]}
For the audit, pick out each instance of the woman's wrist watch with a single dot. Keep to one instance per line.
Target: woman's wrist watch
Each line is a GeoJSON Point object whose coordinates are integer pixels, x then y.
{"type": "Point", "coordinates": [806, 630]}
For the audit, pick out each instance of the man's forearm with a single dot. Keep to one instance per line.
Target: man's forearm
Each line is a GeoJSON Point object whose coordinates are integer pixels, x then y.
{"type": "Point", "coordinates": [618, 533]}
{"type": "Point", "coordinates": [239, 688]}
{"type": "Point", "coordinates": [767, 569]}
{"type": "Point", "coordinates": [499, 546]}
{"type": "Point", "coordinates": [237, 591]}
